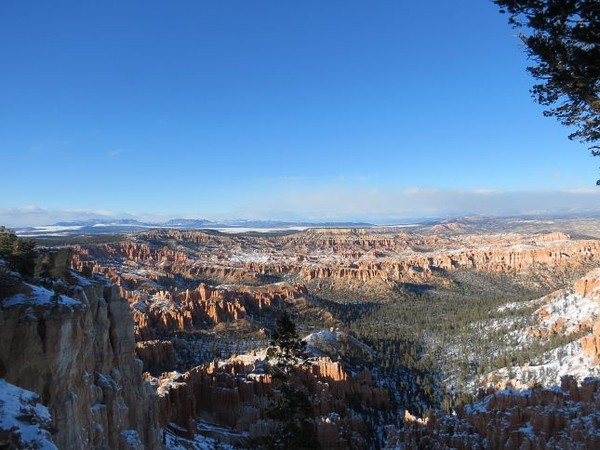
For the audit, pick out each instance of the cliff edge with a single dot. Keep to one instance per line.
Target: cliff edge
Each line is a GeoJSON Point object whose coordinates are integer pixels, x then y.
{"type": "Point", "coordinates": [70, 340]}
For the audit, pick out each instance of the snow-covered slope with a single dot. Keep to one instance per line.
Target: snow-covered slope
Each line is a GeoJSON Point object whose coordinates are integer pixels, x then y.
{"type": "Point", "coordinates": [564, 417]}
{"type": "Point", "coordinates": [39, 295]}
{"type": "Point", "coordinates": [24, 421]}
{"type": "Point", "coordinates": [564, 317]}
{"type": "Point", "coordinates": [334, 343]}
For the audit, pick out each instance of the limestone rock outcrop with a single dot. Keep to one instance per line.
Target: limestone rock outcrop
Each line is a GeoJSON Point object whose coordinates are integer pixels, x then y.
{"type": "Point", "coordinates": [353, 256]}
{"type": "Point", "coordinates": [72, 343]}
{"type": "Point", "coordinates": [591, 344]}
{"type": "Point", "coordinates": [236, 395]}
{"type": "Point", "coordinates": [589, 285]}
{"type": "Point", "coordinates": [205, 306]}
{"type": "Point", "coordinates": [157, 356]}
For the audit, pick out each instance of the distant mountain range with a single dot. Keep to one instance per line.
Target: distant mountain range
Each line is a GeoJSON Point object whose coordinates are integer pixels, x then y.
{"type": "Point", "coordinates": [109, 226]}
{"type": "Point", "coordinates": [99, 226]}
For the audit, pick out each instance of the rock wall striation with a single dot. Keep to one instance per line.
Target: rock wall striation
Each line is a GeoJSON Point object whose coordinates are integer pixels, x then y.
{"type": "Point", "coordinates": [72, 343]}
{"type": "Point", "coordinates": [237, 395]}
{"type": "Point", "coordinates": [350, 256]}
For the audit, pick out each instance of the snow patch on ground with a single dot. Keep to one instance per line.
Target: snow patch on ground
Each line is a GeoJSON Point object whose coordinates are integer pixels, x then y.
{"type": "Point", "coordinates": [521, 305]}
{"type": "Point", "coordinates": [40, 296]}
{"type": "Point", "coordinates": [571, 310]}
{"type": "Point", "coordinates": [81, 281]}
{"type": "Point", "coordinates": [566, 360]}
{"type": "Point", "coordinates": [562, 312]}
{"type": "Point", "coordinates": [329, 341]}
{"type": "Point", "coordinates": [260, 258]}
{"type": "Point", "coordinates": [173, 441]}
{"type": "Point", "coordinates": [53, 228]}
{"type": "Point", "coordinates": [131, 439]}
{"type": "Point", "coordinates": [166, 384]}
{"type": "Point", "coordinates": [240, 230]}
{"type": "Point", "coordinates": [23, 420]}
{"type": "Point", "coordinates": [248, 359]}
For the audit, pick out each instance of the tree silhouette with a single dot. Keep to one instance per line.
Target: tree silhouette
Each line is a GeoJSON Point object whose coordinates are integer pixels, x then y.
{"type": "Point", "coordinates": [562, 37]}
{"type": "Point", "coordinates": [291, 408]}
{"type": "Point", "coordinates": [285, 344]}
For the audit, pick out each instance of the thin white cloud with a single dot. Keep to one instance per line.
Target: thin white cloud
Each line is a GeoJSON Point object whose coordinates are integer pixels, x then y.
{"type": "Point", "coordinates": [584, 191]}
{"type": "Point", "coordinates": [30, 215]}
{"type": "Point", "coordinates": [370, 204]}
{"type": "Point", "coordinates": [314, 203]}
{"type": "Point", "coordinates": [291, 178]}
{"type": "Point", "coordinates": [487, 191]}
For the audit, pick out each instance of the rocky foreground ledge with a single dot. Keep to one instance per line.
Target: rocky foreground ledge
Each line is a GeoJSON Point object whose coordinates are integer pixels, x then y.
{"type": "Point", "coordinates": [71, 342]}
{"type": "Point", "coordinates": [70, 379]}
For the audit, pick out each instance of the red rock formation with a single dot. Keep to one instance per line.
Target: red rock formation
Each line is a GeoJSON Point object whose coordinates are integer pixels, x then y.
{"type": "Point", "coordinates": [236, 394]}
{"type": "Point", "coordinates": [535, 418]}
{"type": "Point", "coordinates": [157, 356]}
{"type": "Point", "coordinates": [76, 350]}
{"type": "Point", "coordinates": [143, 265]}
{"type": "Point", "coordinates": [591, 344]}
{"type": "Point", "coordinates": [205, 306]}
{"type": "Point", "coordinates": [589, 285]}
{"type": "Point", "coordinates": [349, 255]}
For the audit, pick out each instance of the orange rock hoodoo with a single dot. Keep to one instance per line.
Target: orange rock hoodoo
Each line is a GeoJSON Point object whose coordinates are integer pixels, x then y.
{"type": "Point", "coordinates": [180, 311]}
{"type": "Point", "coordinates": [311, 255]}
{"type": "Point", "coordinates": [235, 395]}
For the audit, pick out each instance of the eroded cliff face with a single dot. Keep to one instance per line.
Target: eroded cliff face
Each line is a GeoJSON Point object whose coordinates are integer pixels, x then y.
{"type": "Point", "coordinates": [168, 311]}
{"type": "Point", "coordinates": [589, 286]}
{"type": "Point", "coordinates": [72, 343]}
{"type": "Point", "coordinates": [238, 393]}
{"type": "Point", "coordinates": [591, 344]}
{"type": "Point", "coordinates": [353, 257]}
{"type": "Point", "coordinates": [166, 274]}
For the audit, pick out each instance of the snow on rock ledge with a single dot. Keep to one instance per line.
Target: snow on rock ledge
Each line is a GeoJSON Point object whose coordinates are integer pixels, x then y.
{"type": "Point", "coordinates": [37, 295]}
{"type": "Point", "coordinates": [75, 349]}
{"type": "Point", "coordinates": [24, 421]}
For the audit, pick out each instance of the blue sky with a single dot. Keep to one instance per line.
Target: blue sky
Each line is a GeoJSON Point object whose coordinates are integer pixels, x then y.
{"type": "Point", "coordinates": [268, 109]}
